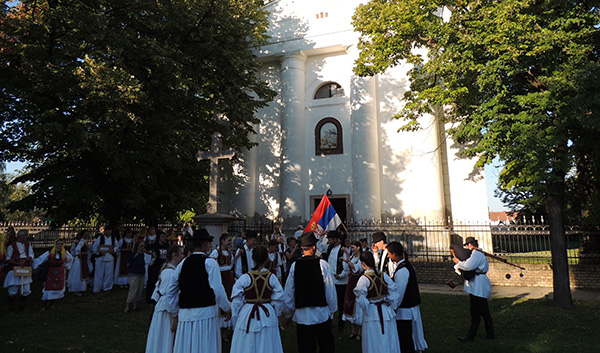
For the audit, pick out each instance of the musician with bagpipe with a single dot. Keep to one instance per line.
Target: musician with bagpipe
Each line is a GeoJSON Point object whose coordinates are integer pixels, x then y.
{"type": "Point", "coordinates": [473, 269]}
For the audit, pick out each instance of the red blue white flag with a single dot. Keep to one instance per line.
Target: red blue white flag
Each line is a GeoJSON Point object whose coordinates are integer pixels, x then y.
{"type": "Point", "coordinates": [325, 218]}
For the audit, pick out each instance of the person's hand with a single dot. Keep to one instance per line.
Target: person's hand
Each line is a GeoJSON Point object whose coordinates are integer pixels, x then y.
{"type": "Point", "coordinates": [374, 248]}
{"type": "Point", "coordinates": [336, 276]}
{"type": "Point", "coordinates": [456, 260]}
{"type": "Point", "coordinates": [228, 315]}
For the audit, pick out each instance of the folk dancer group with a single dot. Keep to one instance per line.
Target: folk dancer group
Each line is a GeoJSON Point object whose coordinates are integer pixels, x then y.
{"type": "Point", "coordinates": [200, 294]}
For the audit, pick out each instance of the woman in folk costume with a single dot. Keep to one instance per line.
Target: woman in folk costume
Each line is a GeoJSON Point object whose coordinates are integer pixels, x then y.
{"type": "Point", "coordinates": [59, 260]}
{"type": "Point", "coordinates": [377, 295]}
{"type": "Point", "coordinates": [257, 303]}
{"type": "Point", "coordinates": [352, 312]}
{"type": "Point", "coordinates": [161, 335]}
{"type": "Point", "coordinates": [126, 245]}
{"type": "Point", "coordinates": [79, 274]}
{"type": "Point", "coordinates": [5, 241]}
{"type": "Point", "coordinates": [224, 257]}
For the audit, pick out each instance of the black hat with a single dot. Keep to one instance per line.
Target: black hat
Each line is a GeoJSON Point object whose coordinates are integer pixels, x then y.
{"type": "Point", "coordinates": [201, 235]}
{"type": "Point", "coordinates": [307, 239]}
{"type": "Point", "coordinates": [471, 240]}
{"type": "Point", "coordinates": [378, 236]}
{"type": "Point", "coordinates": [251, 234]}
{"type": "Point", "coordinates": [332, 234]}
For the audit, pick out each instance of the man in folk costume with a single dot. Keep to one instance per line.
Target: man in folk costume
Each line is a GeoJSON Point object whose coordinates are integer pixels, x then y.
{"type": "Point", "coordinates": [18, 253]}
{"type": "Point", "coordinates": [243, 257]}
{"type": "Point", "coordinates": [382, 260]}
{"type": "Point", "coordinates": [104, 265]}
{"type": "Point", "coordinates": [479, 289]}
{"type": "Point", "coordinates": [274, 260]}
{"type": "Point", "coordinates": [311, 298]}
{"type": "Point", "coordinates": [336, 257]}
{"type": "Point", "coordinates": [201, 294]}
{"type": "Point", "coordinates": [408, 314]}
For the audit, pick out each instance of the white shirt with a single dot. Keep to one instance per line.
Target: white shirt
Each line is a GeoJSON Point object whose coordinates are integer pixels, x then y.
{"type": "Point", "coordinates": [22, 253]}
{"type": "Point", "coordinates": [165, 284]}
{"type": "Point", "coordinates": [332, 261]}
{"type": "Point", "coordinates": [107, 257]}
{"type": "Point", "coordinates": [479, 285]}
{"type": "Point", "coordinates": [311, 315]}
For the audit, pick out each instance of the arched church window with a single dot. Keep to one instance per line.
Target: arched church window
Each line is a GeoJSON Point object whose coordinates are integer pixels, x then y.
{"type": "Point", "coordinates": [329, 90]}
{"type": "Point", "coordinates": [328, 137]}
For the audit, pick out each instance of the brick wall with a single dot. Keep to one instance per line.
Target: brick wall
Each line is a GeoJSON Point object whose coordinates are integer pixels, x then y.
{"type": "Point", "coordinates": [534, 275]}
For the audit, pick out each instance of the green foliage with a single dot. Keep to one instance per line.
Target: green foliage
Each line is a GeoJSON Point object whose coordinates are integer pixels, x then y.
{"type": "Point", "coordinates": [518, 79]}
{"type": "Point", "coordinates": [109, 101]}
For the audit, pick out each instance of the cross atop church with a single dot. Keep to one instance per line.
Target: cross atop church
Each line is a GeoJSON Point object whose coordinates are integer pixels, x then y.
{"type": "Point", "coordinates": [214, 155]}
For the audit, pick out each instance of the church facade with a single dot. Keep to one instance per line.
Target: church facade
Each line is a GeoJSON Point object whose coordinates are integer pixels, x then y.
{"type": "Point", "coordinates": [331, 132]}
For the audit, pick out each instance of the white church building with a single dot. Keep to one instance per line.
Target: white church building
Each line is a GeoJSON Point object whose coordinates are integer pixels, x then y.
{"type": "Point", "coordinates": [329, 131]}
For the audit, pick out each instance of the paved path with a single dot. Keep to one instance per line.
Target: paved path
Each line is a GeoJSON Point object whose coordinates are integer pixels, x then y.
{"type": "Point", "coordinates": [511, 292]}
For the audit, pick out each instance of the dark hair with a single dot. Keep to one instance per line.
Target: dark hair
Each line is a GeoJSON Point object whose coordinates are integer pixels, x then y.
{"type": "Point", "coordinates": [289, 240]}
{"type": "Point", "coordinates": [368, 259]}
{"type": "Point", "coordinates": [223, 237]}
{"type": "Point", "coordinates": [259, 256]}
{"type": "Point", "coordinates": [173, 249]}
{"type": "Point", "coordinates": [273, 242]}
{"type": "Point", "coordinates": [357, 244]}
{"type": "Point", "coordinates": [396, 248]}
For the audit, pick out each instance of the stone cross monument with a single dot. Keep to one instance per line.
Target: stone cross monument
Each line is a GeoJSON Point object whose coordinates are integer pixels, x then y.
{"type": "Point", "coordinates": [214, 155]}
{"type": "Point", "coordinates": [213, 221]}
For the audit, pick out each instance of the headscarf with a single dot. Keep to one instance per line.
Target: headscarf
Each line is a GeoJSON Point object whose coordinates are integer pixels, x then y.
{"type": "Point", "coordinates": [62, 252]}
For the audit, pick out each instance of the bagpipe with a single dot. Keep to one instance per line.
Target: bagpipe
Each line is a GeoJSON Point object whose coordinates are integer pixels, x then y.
{"type": "Point", "coordinates": [463, 254]}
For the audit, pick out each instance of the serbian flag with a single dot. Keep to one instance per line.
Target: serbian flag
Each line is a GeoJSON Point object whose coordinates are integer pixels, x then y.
{"type": "Point", "coordinates": [325, 218]}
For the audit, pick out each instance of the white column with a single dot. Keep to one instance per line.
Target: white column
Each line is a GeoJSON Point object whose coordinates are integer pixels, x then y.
{"type": "Point", "coordinates": [293, 174]}
{"type": "Point", "coordinates": [366, 183]}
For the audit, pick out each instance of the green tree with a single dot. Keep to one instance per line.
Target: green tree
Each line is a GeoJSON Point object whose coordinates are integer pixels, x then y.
{"type": "Point", "coordinates": [109, 101]}
{"type": "Point", "coordinates": [517, 79]}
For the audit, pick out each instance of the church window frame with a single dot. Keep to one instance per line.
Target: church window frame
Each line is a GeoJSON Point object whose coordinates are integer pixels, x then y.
{"type": "Point", "coordinates": [338, 148]}
{"type": "Point", "coordinates": [328, 90]}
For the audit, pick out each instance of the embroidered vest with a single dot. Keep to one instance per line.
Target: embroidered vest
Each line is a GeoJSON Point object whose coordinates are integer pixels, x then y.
{"type": "Point", "coordinates": [225, 260]}
{"type": "Point", "coordinates": [377, 286]}
{"type": "Point", "coordinates": [16, 254]}
{"type": "Point", "coordinates": [259, 290]}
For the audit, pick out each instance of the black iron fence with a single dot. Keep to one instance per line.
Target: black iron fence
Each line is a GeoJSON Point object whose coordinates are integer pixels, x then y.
{"type": "Point", "coordinates": [423, 241]}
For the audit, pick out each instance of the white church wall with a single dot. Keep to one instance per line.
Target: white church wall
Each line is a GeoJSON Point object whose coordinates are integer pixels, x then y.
{"type": "Point", "coordinates": [327, 172]}
{"type": "Point", "coordinates": [410, 163]}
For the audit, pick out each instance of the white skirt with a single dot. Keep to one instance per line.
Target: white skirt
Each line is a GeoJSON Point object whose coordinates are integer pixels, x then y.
{"type": "Point", "coordinates": [202, 335]}
{"type": "Point", "coordinates": [160, 338]}
{"type": "Point", "coordinates": [74, 282]}
{"type": "Point", "coordinates": [267, 340]}
{"type": "Point", "coordinates": [373, 340]}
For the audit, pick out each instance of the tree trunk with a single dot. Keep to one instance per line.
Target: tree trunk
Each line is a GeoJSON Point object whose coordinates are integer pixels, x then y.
{"type": "Point", "coordinates": [560, 264]}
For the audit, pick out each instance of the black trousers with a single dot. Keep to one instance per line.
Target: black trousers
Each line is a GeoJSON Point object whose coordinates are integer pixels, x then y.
{"type": "Point", "coordinates": [340, 290]}
{"type": "Point", "coordinates": [480, 309]}
{"type": "Point", "coordinates": [153, 273]}
{"type": "Point", "coordinates": [407, 345]}
{"type": "Point", "coordinates": [309, 336]}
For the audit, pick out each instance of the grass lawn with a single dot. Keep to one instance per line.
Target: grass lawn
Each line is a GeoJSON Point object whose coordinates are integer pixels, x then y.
{"type": "Point", "coordinates": [96, 323]}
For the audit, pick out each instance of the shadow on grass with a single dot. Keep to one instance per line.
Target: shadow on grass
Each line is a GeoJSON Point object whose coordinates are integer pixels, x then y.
{"type": "Point", "coordinates": [96, 323]}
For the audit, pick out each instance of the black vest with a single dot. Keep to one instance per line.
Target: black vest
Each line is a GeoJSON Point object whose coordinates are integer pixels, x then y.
{"type": "Point", "coordinates": [412, 297]}
{"type": "Point", "coordinates": [195, 291]}
{"type": "Point", "coordinates": [310, 287]}
{"type": "Point", "coordinates": [244, 259]}
{"type": "Point", "coordinates": [384, 267]}
{"type": "Point", "coordinates": [340, 265]}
